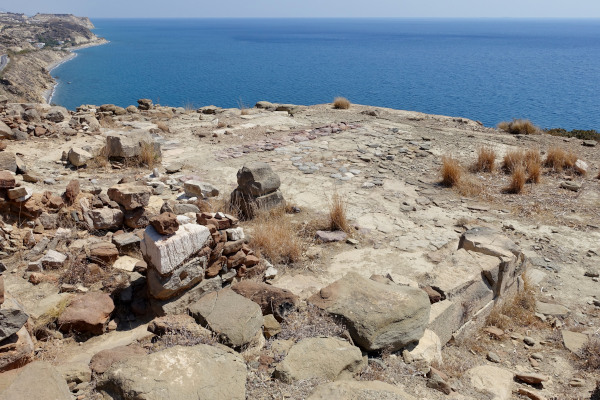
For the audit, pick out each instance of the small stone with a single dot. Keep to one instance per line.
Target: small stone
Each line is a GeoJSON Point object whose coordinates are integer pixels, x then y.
{"type": "Point", "coordinates": [351, 241]}
{"type": "Point", "coordinates": [529, 341]}
{"type": "Point", "coordinates": [530, 378]}
{"type": "Point", "coordinates": [537, 356]}
{"type": "Point", "coordinates": [494, 332]}
{"type": "Point", "coordinates": [165, 223]}
{"type": "Point", "coordinates": [577, 382]}
{"type": "Point", "coordinates": [271, 326]}
{"type": "Point", "coordinates": [327, 236]}
{"type": "Point", "coordinates": [271, 272]}
{"type": "Point", "coordinates": [531, 394]}
{"type": "Point", "coordinates": [493, 357]}
{"type": "Point", "coordinates": [570, 185]}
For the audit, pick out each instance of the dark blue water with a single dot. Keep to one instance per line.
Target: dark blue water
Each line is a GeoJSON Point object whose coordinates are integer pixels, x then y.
{"type": "Point", "coordinates": [487, 70]}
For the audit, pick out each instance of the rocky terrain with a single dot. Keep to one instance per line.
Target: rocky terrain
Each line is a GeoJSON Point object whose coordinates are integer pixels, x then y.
{"type": "Point", "coordinates": [286, 251]}
{"type": "Point", "coordinates": [32, 46]}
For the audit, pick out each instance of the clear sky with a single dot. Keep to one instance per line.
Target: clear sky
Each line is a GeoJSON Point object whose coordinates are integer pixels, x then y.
{"type": "Point", "coordinates": [310, 8]}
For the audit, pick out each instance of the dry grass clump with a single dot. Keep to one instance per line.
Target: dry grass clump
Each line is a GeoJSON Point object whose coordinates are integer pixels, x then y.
{"type": "Point", "coordinates": [148, 155]}
{"type": "Point", "coordinates": [512, 160]}
{"type": "Point", "coordinates": [162, 126]}
{"type": "Point", "coordinates": [519, 127]}
{"type": "Point", "coordinates": [337, 214]}
{"type": "Point", "coordinates": [100, 159]}
{"type": "Point", "coordinates": [516, 311]}
{"type": "Point", "coordinates": [469, 187]}
{"type": "Point", "coordinates": [558, 159]}
{"type": "Point", "coordinates": [486, 158]}
{"type": "Point", "coordinates": [274, 238]}
{"type": "Point", "coordinates": [533, 164]}
{"type": "Point", "coordinates": [50, 316]}
{"type": "Point", "coordinates": [517, 180]}
{"type": "Point", "coordinates": [341, 103]}
{"type": "Point", "coordinates": [221, 124]}
{"type": "Point", "coordinates": [451, 171]}
{"type": "Point", "coordinates": [590, 354]}
{"type": "Point", "coordinates": [311, 321]}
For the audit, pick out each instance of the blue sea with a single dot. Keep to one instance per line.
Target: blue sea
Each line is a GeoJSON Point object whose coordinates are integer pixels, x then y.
{"type": "Point", "coordinates": [485, 69]}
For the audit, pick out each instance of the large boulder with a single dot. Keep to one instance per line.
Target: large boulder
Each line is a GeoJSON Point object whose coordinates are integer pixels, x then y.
{"type": "Point", "coordinates": [359, 390]}
{"type": "Point", "coordinates": [378, 315]}
{"type": "Point", "coordinates": [103, 360]}
{"type": "Point", "coordinates": [38, 380]}
{"type": "Point", "coordinates": [257, 179]}
{"type": "Point", "coordinates": [237, 320]}
{"type": "Point", "coordinates": [57, 114]}
{"type": "Point", "coordinates": [87, 313]}
{"type": "Point", "coordinates": [271, 299]}
{"type": "Point", "coordinates": [197, 372]}
{"type": "Point", "coordinates": [130, 195]}
{"type": "Point", "coordinates": [130, 145]}
{"type": "Point", "coordinates": [165, 253]}
{"type": "Point", "coordinates": [329, 358]}
{"type": "Point", "coordinates": [79, 157]}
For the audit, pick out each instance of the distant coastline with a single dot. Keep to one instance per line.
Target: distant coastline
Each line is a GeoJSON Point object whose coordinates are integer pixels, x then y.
{"type": "Point", "coordinates": [49, 93]}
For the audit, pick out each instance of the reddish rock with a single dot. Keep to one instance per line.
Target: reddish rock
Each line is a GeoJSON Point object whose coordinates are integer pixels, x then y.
{"type": "Point", "coordinates": [1, 289]}
{"type": "Point", "coordinates": [236, 260]}
{"type": "Point", "coordinates": [103, 360]}
{"type": "Point", "coordinates": [104, 252]}
{"type": "Point", "coordinates": [72, 191]}
{"type": "Point", "coordinates": [494, 332]}
{"type": "Point", "coordinates": [214, 268]}
{"type": "Point", "coordinates": [87, 313]}
{"type": "Point", "coordinates": [16, 350]}
{"type": "Point", "coordinates": [7, 180]}
{"type": "Point", "coordinates": [40, 131]}
{"type": "Point", "coordinates": [165, 223]}
{"type": "Point", "coordinates": [327, 236]}
{"type": "Point", "coordinates": [233, 247]}
{"type": "Point", "coordinates": [137, 219]}
{"type": "Point", "coordinates": [251, 261]}
{"type": "Point", "coordinates": [271, 299]}
{"type": "Point", "coordinates": [434, 295]}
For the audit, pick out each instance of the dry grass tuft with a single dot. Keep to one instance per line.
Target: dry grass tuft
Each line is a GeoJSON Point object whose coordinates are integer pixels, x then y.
{"type": "Point", "coordinates": [148, 155]}
{"type": "Point", "coordinates": [451, 171]}
{"type": "Point", "coordinates": [533, 164]}
{"type": "Point", "coordinates": [221, 124]}
{"type": "Point", "coordinates": [100, 159]}
{"type": "Point", "coordinates": [469, 187]}
{"type": "Point", "coordinates": [517, 180]}
{"type": "Point", "coordinates": [558, 159]}
{"type": "Point", "coordinates": [516, 311]}
{"type": "Point", "coordinates": [519, 127]}
{"type": "Point", "coordinates": [341, 103]}
{"type": "Point", "coordinates": [512, 160]}
{"type": "Point", "coordinates": [337, 214]}
{"type": "Point", "coordinates": [590, 354]}
{"type": "Point", "coordinates": [162, 126]}
{"type": "Point", "coordinates": [50, 316]}
{"type": "Point", "coordinates": [310, 322]}
{"type": "Point", "coordinates": [274, 238]}
{"type": "Point", "coordinates": [486, 158]}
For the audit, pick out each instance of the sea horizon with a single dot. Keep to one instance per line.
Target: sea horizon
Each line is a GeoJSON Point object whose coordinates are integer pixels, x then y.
{"type": "Point", "coordinates": [446, 79]}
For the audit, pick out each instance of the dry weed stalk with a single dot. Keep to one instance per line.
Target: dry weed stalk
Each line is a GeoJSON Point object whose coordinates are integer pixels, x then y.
{"type": "Point", "coordinates": [274, 238]}
{"type": "Point", "coordinates": [516, 311]}
{"type": "Point", "coordinates": [486, 158]}
{"type": "Point", "coordinates": [337, 214]}
{"type": "Point", "coordinates": [517, 180]}
{"type": "Point", "coordinates": [341, 103]}
{"type": "Point", "coordinates": [451, 171]}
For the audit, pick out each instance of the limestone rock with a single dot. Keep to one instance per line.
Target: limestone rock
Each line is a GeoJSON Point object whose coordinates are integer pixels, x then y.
{"type": "Point", "coordinates": [327, 236]}
{"type": "Point", "coordinates": [7, 180]}
{"type": "Point", "coordinates": [200, 189]}
{"type": "Point", "coordinates": [184, 276]}
{"type": "Point", "coordinates": [257, 179]}
{"type": "Point", "coordinates": [530, 378]}
{"type": "Point", "coordinates": [197, 372]}
{"type": "Point", "coordinates": [377, 315]}
{"type": "Point", "coordinates": [488, 241]}
{"type": "Point", "coordinates": [359, 390]}
{"type": "Point", "coordinates": [270, 326]}
{"type": "Point", "coordinates": [130, 196]}
{"type": "Point", "coordinates": [556, 310]}
{"type": "Point", "coordinates": [234, 318]}
{"type": "Point", "coordinates": [5, 131]}
{"type": "Point", "coordinates": [330, 358]}
{"type": "Point", "coordinates": [429, 348]}
{"type": "Point", "coordinates": [165, 223]}
{"type": "Point", "coordinates": [130, 145]}
{"type": "Point", "coordinates": [38, 380]}
{"type": "Point", "coordinates": [8, 162]}
{"type": "Point", "coordinates": [87, 312]}
{"type": "Point", "coordinates": [271, 299]}
{"type": "Point", "coordinates": [104, 359]}
{"type": "Point", "coordinates": [491, 380]}
{"type": "Point", "coordinates": [79, 157]}
{"type": "Point", "coordinates": [53, 260]}
{"type": "Point", "coordinates": [104, 218]}
{"type": "Point", "coordinates": [574, 341]}
{"type": "Point", "coordinates": [182, 301]}
{"type": "Point", "coordinates": [165, 253]}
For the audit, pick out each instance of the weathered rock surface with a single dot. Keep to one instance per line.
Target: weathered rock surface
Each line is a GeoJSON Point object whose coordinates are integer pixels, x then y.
{"type": "Point", "coordinates": [87, 312]}
{"type": "Point", "coordinates": [130, 196]}
{"type": "Point", "coordinates": [234, 318]}
{"type": "Point", "coordinates": [377, 315]}
{"type": "Point", "coordinates": [79, 157]}
{"type": "Point", "coordinates": [165, 223]}
{"type": "Point", "coordinates": [165, 253]}
{"type": "Point", "coordinates": [197, 372]}
{"type": "Point", "coordinates": [183, 277]}
{"type": "Point", "coordinates": [491, 380]}
{"type": "Point", "coordinates": [128, 146]}
{"type": "Point", "coordinates": [104, 359]}
{"type": "Point", "coordinates": [200, 189]}
{"type": "Point", "coordinates": [38, 380]}
{"type": "Point", "coordinates": [359, 390]}
{"type": "Point", "coordinates": [18, 350]}
{"type": "Point", "coordinates": [271, 299]}
{"type": "Point", "coordinates": [329, 358]}
{"type": "Point", "coordinates": [11, 320]}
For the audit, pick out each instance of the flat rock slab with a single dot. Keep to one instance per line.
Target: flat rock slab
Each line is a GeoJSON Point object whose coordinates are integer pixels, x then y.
{"type": "Point", "coordinates": [488, 241]}
{"type": "Point", "coordinates": [378, 315]}
{"type": "Point", "coordinates": [165, 253]}
{"type": "Point", "coordinates": [328, 236]}
{"type": "Point", "coordinates": [104, 359]}
{"type": "Point", "coordinates": [271, 299]}
{"type": "Point", "coordinates": [197, 372]}
{"type": "Point", "coordinates": [38, 380]}
{"type": "Point", "coordinates": [87, 312]}
{"type": "Point", "coordinates": [355, 390]}
{"type": "Point", "coordinates": [234, 318]}
{"type": "Point", "coordinates": [495, 381]}
{"type": "Point", "coordinates": [556, 310]}
{"type": "Point", "coordinates": [329, 358]}
{"type": "Point", "coordinates": [574, 341]}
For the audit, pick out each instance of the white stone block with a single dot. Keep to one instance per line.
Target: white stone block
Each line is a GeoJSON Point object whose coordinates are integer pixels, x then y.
{"type": "Point", "coordinates": [165, 253]}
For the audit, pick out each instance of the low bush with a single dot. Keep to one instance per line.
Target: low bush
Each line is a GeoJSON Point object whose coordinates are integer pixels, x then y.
{"type": "Point", "coordinates": [533, 164]}
{"type": "Point", "coordinates": [341, 103]}
{"type": "Point", "coordinates": [559, 159]}
{"type": "Point", "coordinates": [275, 238]}
{"type": "Point", "coordinates": [517, 180]}
{"type": "Point", "coordinates": [486, 158]}
{"type": "Point", "coordinates": [516, 311]}
{"type": "Point", "coordinates": [519, 127]}
{"type": "Point", "coordinates": [576, 133]}
{"type": "Point", "coordinates": [451, 171]}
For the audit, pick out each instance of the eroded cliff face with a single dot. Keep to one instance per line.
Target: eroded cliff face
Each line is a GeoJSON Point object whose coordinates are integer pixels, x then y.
{"type": "Point", "coordinates": [33, 46]}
